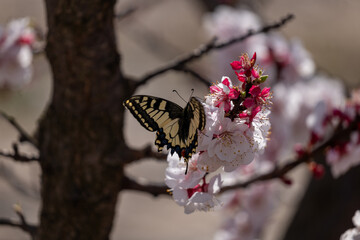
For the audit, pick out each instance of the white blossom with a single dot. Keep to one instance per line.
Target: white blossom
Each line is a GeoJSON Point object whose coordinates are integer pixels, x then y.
{"type": "Point", "coordinates": [231, 143]}
{"type": "Point", "coordinates": [247, 212]}
{"type": "Point", "coordinates": [190, 190]}
{"type": "Point", "coordinates": [226, 23]}
{"type": "Point", "coordinates": [294, 60]}
{"type": "Point", "coordinates": [201, 197]}
{"type": "Point", "coordinates": [340, 162]}
{"type": "Point", "coordinates": [354, 233]}
{"type": "Point", "coordinates": [16, 54]}
{"type": "Point", "coordinates": [175, 172]}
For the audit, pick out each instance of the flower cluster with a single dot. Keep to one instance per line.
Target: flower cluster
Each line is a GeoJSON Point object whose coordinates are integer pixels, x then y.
{"type": "Point", "coordinates": [191, 190]}
{"type": "Point", "coordinates": [16, 55]}
{"type": "Point", "coordinates": [248, 209]}
{"type": "Point", "coordinates": [236, 131]}
{"type": "Point", "coordinates": [344, 152]}
{"type": "Point", "coordinates": [298, 91]}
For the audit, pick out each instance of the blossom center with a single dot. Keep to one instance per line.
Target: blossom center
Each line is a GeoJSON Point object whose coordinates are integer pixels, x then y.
{"type": "Point", "coordinates": [226, 138]}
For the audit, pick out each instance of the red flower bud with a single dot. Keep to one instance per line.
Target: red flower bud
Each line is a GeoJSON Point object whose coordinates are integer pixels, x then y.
{"type": "Point", "coordinates": [317, 170]}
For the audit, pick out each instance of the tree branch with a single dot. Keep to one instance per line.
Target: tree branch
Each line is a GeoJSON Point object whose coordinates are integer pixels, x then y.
{"type": "Point", "coordinates": [280, 172]}
{"type": "Point", "coordinates": [196, 75]}
{"type": "Point", "coordinates": [146, 152]}
{"type": "Point", "coordinates": [206, 48]}
{"type": "Point", "coordinates": [23, 225]}
{"type": "Point", "coordinates": [17, 156]}
{"type": "Point", "coordinates": [24, 136]}
{"type": "Point", "coordinates": [125, 13]}
{"type": "Point", "coordinates": [277, 173]}
{"type": "Point", "coordinates": [143, 186]}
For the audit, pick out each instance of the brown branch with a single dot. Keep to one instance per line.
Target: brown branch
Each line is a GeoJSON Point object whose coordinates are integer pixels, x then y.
{"type": "Point", "coordinates": [278, 173]}
{"type": "Point", "coordinates": [127, 12]}
{"type": "Point", "coordinates": [196, 75]}
{"type": "Point", "coordinates": [17, 156]}
{"type": "Point", "coordinates": [24, 136]}
{"type": "Point", "coordinates": [23, 225]}
{"type": "Point", "coordinates": [146, 152]}
{"type": "Point", "coordinates": [178, 63]}
{"type": "Point", "coordinates": [161, 47]}
{"type": "Point", "coordinates": [251, 33]}
{"type": "Point", "coordinates": [144, 186]}
{"type": "Point", "coordinates": [206, 48]}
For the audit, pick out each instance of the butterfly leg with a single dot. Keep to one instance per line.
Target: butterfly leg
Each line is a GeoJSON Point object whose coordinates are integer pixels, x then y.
{"type": "Point", "coordinates": [187, 166]}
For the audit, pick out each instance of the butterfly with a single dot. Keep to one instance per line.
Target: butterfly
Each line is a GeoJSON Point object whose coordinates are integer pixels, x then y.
{"type": "Point", "coordinates": [176, 127]}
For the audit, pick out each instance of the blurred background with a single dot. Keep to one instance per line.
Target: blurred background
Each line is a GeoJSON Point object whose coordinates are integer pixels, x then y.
{"type": "Point", "coordinates": [156, 32]}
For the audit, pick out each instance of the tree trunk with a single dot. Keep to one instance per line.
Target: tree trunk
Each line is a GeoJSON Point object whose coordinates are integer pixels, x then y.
{"type": "Point", "coordinates": [80, 136]}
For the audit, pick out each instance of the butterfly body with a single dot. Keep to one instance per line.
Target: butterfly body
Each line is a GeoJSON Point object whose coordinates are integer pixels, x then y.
{"type": "Point", "coordinates": [176, 128]}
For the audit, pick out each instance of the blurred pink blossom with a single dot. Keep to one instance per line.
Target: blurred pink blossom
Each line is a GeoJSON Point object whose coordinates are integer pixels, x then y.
{"type": "Point", "coordinates": [354, 233]}
{"type": "Point", "coordinates": [16, 54]}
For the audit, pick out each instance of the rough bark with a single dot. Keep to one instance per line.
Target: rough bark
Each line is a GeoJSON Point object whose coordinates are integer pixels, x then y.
{"type": "Point", "coordinates": [80, 136]}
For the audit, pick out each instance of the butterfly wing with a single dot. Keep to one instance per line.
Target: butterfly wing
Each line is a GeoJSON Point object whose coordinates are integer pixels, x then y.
{"type": "Point", "coordinates": [152, 112]}
{"type": "Point", "coordinates": [175, 127]}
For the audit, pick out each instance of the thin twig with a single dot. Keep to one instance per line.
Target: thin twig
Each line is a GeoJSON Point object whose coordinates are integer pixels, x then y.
{"type": "Point", "coordinates": [160, 46]}
{"type": "Point", "coordinates": [127, 12]}
{"type": "Point", "coordinates": [251, 33]}
{"type": "Point", "coordinates": [17, 156]}
{"type": "Point", "coordinates": [206, 48]}
{"type": "Point", "coordinates": [143, 186]}
{"type": "Point", "coordinates": [196, 75]}
{"type": "Point", "coordinates": [178, 63]}
{"type": "Point", "coordinates": [23, 225]}
{"type": "Point", "coordinates": [147, 152]}
{"type": "Point", "coordinates": [24, 136]}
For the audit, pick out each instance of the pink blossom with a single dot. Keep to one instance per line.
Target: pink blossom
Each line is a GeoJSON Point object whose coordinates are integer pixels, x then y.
{"type": "Point", "coordinates": [227, 23]}
{"type": "Point", "coordinates": [16, 54]}
{"type": "Point", "coordinates": [174, 174]}
{"type": "Point", "coordinates": [236, 65]}
{"type": "Point", "coordinates": [288, 60]}
{"type": "Point", "coordinates": [294, 103]}
{"type": "Point", "coordinates": [191, 190]}
{"type": "Point", "coordinates": [223, 93]}
{"type": "Point", "coordinates": [249, 114]}
{"type": "Point", "coordinates": [246, 67]}
{"type": "Point", "coordinates": [248, 212]}
{"type": "Point", "coordinates": [230, 144]}
{"type": "Point", "coordinates": [258, 97]}
{"type": "Point", "coordinates": [201, 197]}
{"type": "Point", "coordinates": [343, 157]}
{"type": "Point", "coordinates": [354, 233]}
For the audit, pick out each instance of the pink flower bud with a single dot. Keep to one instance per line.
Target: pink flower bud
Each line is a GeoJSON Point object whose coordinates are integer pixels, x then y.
{"type": "Point", "coordinates": [286, 180]}
{"type": "Point", "coordinates": [236, 65]}
{"type": "Point", "coordinates": [317, 170]}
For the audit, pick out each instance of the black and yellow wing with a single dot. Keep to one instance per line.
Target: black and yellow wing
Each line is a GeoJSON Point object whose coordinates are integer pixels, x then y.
{"type": "Point", "coordinates": [176, 128]}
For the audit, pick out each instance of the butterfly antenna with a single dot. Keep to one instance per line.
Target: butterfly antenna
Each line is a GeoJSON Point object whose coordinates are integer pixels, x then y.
{"type": "Point", "coordinates": [187, 166]}
{"type": "Point", "coordinates": [192, 91]}
{"type": "Point", "coordinates": [179, 96]}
